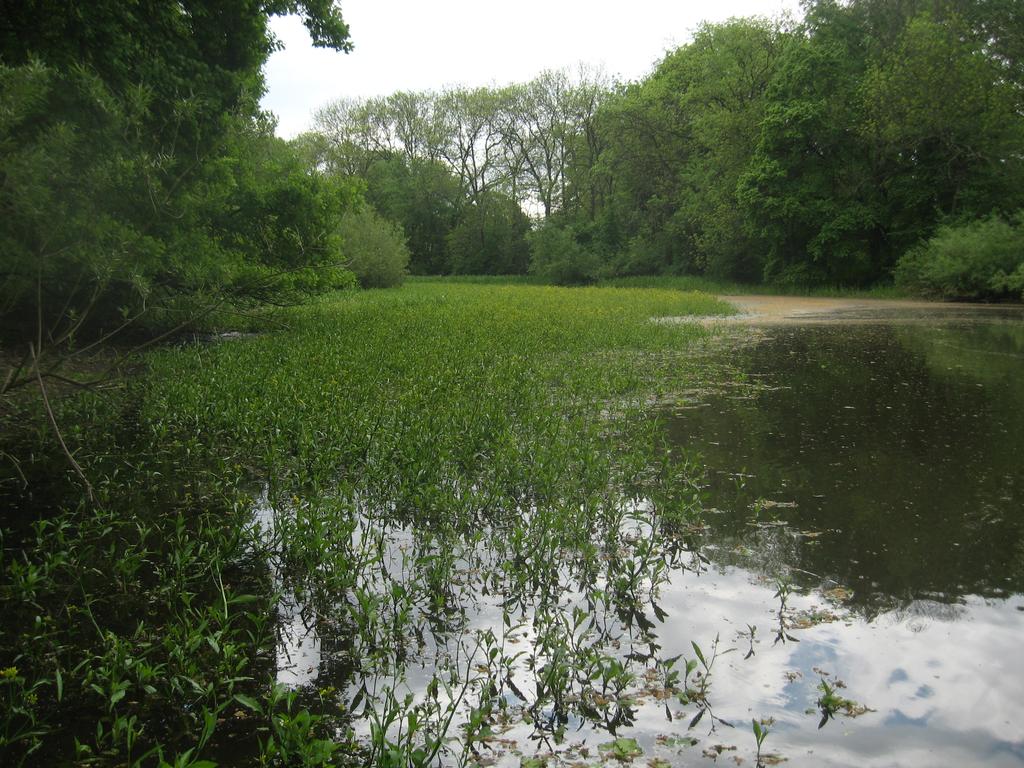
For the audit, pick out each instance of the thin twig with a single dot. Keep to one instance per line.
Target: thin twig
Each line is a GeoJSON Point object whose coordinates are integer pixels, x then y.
{"type": "Point", "coordinates": [110, 334]}
{"type": "Point", "coordinates": [11, 379]}
{"type": "Point", "coordinates": [17, 468]}
{"type": "Point", "coordinates": [179, 327]}
{"type": "Point", "coordinates": [74, 326]}
{"type": "Point", "coordinates": [53, 422]}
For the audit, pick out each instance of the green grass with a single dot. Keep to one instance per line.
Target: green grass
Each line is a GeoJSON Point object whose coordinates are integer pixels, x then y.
{"type": "Point", "coordinates": [686, 283]}
{"type": "Point", "coordinates": [718, 287]}
{"type": "Point", "coordinates": [421, 448]}
{"type": "Point", "coordinates": [480, 279]}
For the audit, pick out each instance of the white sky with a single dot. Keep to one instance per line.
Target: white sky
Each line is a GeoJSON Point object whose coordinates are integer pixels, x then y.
{"type": "Point", "coordinates": [420, 45]}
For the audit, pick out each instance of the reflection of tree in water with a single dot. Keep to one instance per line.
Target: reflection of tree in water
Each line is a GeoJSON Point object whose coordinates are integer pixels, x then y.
{"type": "Point", "coordinates": [937, 610]}
{"type": "Point", "coordinates": [768, 551]}
{"type": "Point", "coordinates": [903, 455]}
{"type": "Point", "coordinates": [986, 352]}
{"type": "Point", "coordinates": [1015, 574]}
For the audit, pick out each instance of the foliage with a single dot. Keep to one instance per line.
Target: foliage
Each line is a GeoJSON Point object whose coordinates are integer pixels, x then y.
{"type": "Point", "coordinates": [374, 247]}
{"type": "Point", "coordinates": [557, 256]}
{"type": "Point", "coordinates": [797, 154]}
{"type": "Point", "coordinates": [942, 118]}
{"type": "Point", "coordinates": [141, 185]}
{"type": "Point", "coordinates": [807, 188]}
{"type": "Point", "coordinates": [802, 154]}
{"type": "Point", "coordinates": [426, 199]}
{"type": "Point", "coordinates": [171, 55]}
{"type": "Point", "coordinates": [520, 140]}
{"type": "Point", "coordinates": [490, 239]}
{"type": "Point", "coordinates": [457, 167]}
{"type": "Point", "coordinates": [980, 260]}
{"type": "Point", "coordinates": [830, 702]}
{"type": "Point", "coordinates": [866, 148]}
{"type": "Point", "coordinates": [760, 734]}
{"type": "Point", "coordinates": [277, 219]}
{"type": "Point", "coordinates": [253, 225]}
{"type": "Point", "coordinates": [678, 142]}
{"type": "Point", "coordinates": [707, 285]}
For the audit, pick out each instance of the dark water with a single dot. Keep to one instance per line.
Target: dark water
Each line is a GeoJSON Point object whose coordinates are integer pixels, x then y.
{"type": "Point", "coordinates": [902, 446]}
{"type": "Point", "coordinates": [881, 466]}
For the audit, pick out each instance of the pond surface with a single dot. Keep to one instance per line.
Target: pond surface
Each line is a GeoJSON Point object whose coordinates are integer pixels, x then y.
{"type": "Point", "coordinates": [881, 465]}
{"type": "Point", "coordinates": [863, 533]}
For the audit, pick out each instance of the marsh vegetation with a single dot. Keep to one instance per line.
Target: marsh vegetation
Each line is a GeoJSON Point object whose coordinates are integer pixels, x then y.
{"type": "Point", "coordinates": [416, 456]}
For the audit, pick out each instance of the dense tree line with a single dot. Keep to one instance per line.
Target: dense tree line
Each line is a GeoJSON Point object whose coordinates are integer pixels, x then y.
{"type": "Point", "coordinates": [457, 168]}
{"type": "Point", "coordinates": [811, 152]}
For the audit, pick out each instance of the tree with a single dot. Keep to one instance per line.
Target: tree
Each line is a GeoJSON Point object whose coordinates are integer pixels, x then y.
{"type": "Point", "coordinates": [342, 140]}
{"type": "Point", "coordinates": [130, 144]}
{"type": "Point", "coordinates": [543, 123]}
{"type": "Point", "coordinates": [673, 148]}
{"type": "Point", "coordinates": [806, 153]}
{"type": "Point", "coordinates": [490, 239]}
{"type": "Point", "coordinates": [980, 260]}
{"type": "Point", "coordinates": [473, 140]}
{"type": "Point", "coordinates": [188, 62]}
{"type": "Point", "coordinates": [556, 255]}
{"type": "Point", "coordinates": [809, 190]}
{"type": "Point", "coordinates": [646, 139]}
{"type": "Point", "coordinates": [947, 125]}
{"type": "Point", "coordinates": [548, 132]}
{"type": "Point", "coordinates": [884, 120]}
{"type": "Point", "coordinates": [726, 72]}
{"type": "Point", "coordinates": [425, 198]}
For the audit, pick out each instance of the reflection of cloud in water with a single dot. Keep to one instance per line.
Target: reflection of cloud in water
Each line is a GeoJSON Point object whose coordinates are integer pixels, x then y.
{"type": "Point", "coordinates": [945, 680]}
{"type": "Point", "coordinates": [297, 652]}
{"type": "Point", "coordinates": [937, 698]}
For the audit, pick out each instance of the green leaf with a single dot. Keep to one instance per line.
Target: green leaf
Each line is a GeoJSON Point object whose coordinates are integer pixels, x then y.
{"type": "Point", "coordinates": [237, 599]}
{"type": "Point", "coordinates": [700, 654]}
{"type": "Point", "coordinates": [622, 748]}
{"type": "Point", "coordinates": [249, 702]}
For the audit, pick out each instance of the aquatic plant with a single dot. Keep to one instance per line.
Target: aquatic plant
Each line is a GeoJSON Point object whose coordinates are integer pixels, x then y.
{"type": "Point", "coordinates": [416, 460]}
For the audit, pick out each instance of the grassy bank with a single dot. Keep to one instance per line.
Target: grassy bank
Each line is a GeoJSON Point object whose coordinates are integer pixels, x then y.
{"type": "Point", "coordinates": [443, 477]}
{"type": "Point", "coordinates": [686, 283]}
{"type": "Point", "coordinates": [719, 287]}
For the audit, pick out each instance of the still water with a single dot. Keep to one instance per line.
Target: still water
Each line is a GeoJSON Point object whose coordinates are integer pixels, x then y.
{"type": "Point", "coordinates": [863, 530]}
{"type": "Point", "coordinates": [881, 467]}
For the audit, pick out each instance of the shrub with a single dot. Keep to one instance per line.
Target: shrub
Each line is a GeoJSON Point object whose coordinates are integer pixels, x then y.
{"type": "Point", "coordinates": [1012, 283]}
{"type": "Point", "coordinates": [314, 280]}
{"type": "Point", "coordinates": [556, 256]}
{"type": "Point", "coordinates": [375, 248]}
{"type": "Point", "coordinates": [980, 260]}
{"type": "Point", "coordinates": [639, 257]}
